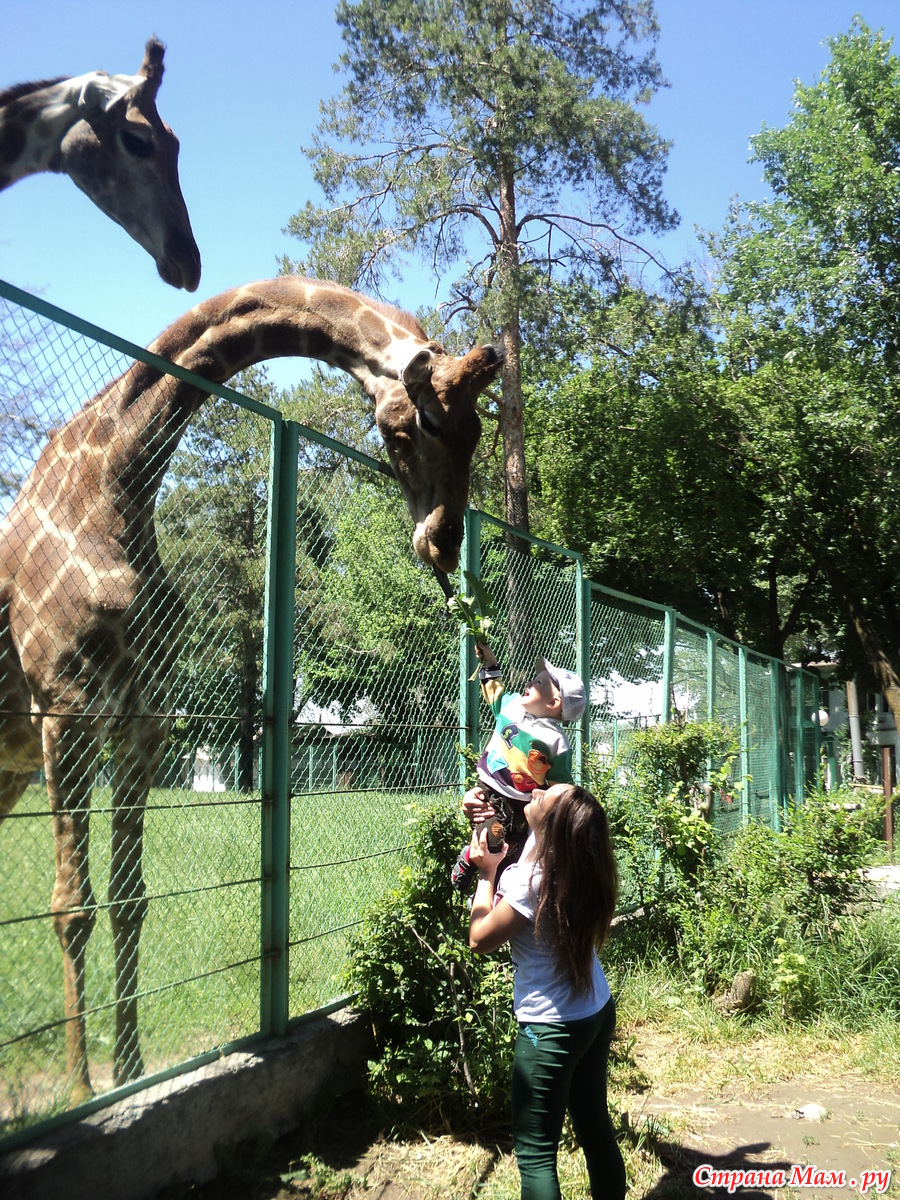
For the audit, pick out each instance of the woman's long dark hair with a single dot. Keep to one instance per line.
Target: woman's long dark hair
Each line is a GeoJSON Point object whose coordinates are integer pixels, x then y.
{"type": "Point", "coordinates": [579, 883]}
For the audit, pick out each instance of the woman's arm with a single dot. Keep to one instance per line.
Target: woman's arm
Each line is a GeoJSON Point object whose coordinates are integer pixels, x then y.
{"type": "Point", "coordinates": [490, 925]}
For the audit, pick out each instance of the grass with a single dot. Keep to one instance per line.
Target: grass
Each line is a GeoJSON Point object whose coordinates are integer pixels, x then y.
{"type": "Point", "coordinates": [200, 945]}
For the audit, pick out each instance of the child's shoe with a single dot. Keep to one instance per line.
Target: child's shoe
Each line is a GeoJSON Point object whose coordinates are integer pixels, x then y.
{"type": "Point", "coordinates": [463, 872]}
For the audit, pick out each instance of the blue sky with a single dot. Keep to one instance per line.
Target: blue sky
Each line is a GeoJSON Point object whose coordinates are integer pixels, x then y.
{"type": "Point", "coordinates": [242, 87]}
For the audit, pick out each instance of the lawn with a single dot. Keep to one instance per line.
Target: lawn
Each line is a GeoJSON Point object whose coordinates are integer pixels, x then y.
{"type": "Point", "coordinates": [200, 946]}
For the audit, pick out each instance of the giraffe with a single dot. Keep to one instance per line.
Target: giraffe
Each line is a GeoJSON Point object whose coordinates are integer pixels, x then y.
{"type": "Point", "coordinates": [89, 620]}
{"type": "Point", "coordinates": [104, 132]}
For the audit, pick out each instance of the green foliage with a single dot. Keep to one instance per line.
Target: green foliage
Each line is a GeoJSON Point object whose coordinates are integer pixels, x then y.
{"type": "Point", "coordinates": [661, 822]}
{"type": "Point", "coordinates": [730, 453]}
{"type": "Point", "coordinates": [673, 757]}
{"type": "Point", "coordinates": [808, 295]}
{"type": "Point", "coordinates": [442, 1016]}
{"type": "Point", "coordinates": [792, 981]}
{"type": "Point", "coordinates": [827, 841]}
{"type": "Point", "coordinates": [791, 906]}
{"type": "Point", "coordinates": [364, 603]}
{"type": "Point", "coordinates": [476, 612]}
{"type": "Point", "coordinates": [319, 1180]}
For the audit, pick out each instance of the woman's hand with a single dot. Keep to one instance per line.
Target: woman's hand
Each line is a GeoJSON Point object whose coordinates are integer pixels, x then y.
{"type": "Point", "coordinates": [476, 807]}
{"type": "Point", "coordinates": [486, 861]}
{"type": "Point", "coordinates": [491, 922]}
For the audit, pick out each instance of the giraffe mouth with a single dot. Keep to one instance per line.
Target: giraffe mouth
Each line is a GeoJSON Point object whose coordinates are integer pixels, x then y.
{"type": "Point", "coordinates": [444, 559]}
{"type": "Point", "coordinates": [179, 264]}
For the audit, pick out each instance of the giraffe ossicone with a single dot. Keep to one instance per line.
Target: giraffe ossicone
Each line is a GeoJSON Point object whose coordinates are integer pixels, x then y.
{"type": "Point", "coordinates": [90, 623]}
{"type": "Point", "coordinates": [105, 133]}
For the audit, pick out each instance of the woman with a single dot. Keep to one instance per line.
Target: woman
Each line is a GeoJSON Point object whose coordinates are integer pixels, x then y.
{"type": "Point", "coordinates": [554, 907]}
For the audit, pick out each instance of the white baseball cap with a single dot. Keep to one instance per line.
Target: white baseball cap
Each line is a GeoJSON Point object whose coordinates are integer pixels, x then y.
{"type": "Point", "coordinates": [570, 688]}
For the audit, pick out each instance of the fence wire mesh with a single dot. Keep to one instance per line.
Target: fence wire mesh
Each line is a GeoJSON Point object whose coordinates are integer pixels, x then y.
{"type": "Point", "coordinates": [155, 737]}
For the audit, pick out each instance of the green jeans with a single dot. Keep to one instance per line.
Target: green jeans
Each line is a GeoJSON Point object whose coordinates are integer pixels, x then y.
{"type": "Point", "coordinates": [558, 1067]}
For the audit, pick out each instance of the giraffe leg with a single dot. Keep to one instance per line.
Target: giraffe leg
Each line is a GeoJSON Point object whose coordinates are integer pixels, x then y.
{"type": "Point", "coordinates": [138, 753]}
{"type": "Point", "coordinates": [12, 785]}
{"type": "Point", "coordinates": [70, 757]}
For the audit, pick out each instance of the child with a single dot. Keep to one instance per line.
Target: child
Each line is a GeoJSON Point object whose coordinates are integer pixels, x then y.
{"type": "Point", "coordinates": [528, 749]}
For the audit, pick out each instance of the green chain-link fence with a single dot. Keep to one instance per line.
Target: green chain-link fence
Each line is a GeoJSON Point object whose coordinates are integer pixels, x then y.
{"type": "Point", "coordinates": [314, 690]}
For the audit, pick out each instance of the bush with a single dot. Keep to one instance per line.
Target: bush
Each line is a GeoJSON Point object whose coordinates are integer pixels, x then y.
{"type": "Point", "coordinates": [788, 906]}
{"type": "Point", "coordinates": [827, 842]}
{"type": "Point", "coordinates": [661, 812]}
{"type": "Point", "coordinates": [442, 1016]}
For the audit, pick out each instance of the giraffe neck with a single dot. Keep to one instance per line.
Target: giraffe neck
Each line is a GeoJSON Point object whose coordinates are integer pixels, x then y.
{"type": "Point", "coordinates": [126, 435]}
{"type": "Point", "coordinates": [34, 119]}
{"type": "Point", "coordinates": [293, 316]}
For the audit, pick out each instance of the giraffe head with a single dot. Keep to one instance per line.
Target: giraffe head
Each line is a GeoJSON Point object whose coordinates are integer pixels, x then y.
{"type": "Point", "coordinates": [430, 427]}
{"type": "Point", "coordinates": [124, 156]}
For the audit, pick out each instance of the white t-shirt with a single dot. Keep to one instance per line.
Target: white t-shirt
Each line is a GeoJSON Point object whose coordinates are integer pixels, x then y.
{"type": "Point", "coordinates": [540, 993]}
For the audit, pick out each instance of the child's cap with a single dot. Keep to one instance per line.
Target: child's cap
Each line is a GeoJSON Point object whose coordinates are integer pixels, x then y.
{"type": "Point", "coordinates": [570, 688]}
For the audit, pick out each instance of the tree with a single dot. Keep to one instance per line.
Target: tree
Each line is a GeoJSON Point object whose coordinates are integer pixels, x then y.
{"type": "Point", "coordinates": [809, 303]}
{"type": "Point", "coordinates": [739, 453]}
{"type": "Point", "coordinates": [639, 462]}
{"type": "Point", "coordinates": [31, 401]}
{"type": "Point", "coordinates": [464, 132]}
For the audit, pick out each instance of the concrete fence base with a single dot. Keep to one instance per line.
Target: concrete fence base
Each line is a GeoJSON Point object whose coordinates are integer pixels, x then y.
{"type": "Point", "coordinates": [169, 1133]}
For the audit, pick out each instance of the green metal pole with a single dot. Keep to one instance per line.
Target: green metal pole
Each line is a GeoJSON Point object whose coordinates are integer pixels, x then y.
{"type": "Point", "coordinates": [817, 730]}
{"type": "Point", "coordinates": [278, 686]}
{"type": "Point", "coordinates": [710, 675]}
{"type": "Point", "coordinates": [583, 664]}
{"type": "Point", "coordinates": [744, 711]}
{"type": "Point", "coordinates": [669, 663]}
{"type": "Point", "coordinates": [777, 800]}
{"type": "Point", "coordinates": [469, 690]}
{"type": "Point", "coordinates": [799, 769]}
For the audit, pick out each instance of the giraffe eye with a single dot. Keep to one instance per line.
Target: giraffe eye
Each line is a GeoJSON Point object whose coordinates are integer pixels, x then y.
{"type": "Point", "coordinates": [136, 144]}
{"type": "Point", "coordinates": [428, 424]}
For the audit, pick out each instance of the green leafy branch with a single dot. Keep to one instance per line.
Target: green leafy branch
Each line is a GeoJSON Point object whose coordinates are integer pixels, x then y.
{"type": "Point", "coordinates": [476, 611]}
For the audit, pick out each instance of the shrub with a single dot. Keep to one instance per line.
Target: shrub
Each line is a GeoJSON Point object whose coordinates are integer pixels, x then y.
{"type": "Point", "coordinates": [827, 842]}
{"type": "Point", "coordinates": [787, 905]}
{"type": "Point", "coordinates": [660, 814]}
{"type": "Point", "coordinates": [442, 1016]}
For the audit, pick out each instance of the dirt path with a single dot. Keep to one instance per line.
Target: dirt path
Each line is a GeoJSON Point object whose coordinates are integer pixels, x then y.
{"type": "Point", "coordinates": [843, 1131]}
{"type": "Point", "coordinates": [816, 1130]}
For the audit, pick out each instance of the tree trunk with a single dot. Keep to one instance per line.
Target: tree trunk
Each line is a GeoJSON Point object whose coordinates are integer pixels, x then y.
{"type": "Point", "coordinates": [512, 423]}
{"type": "Point", "coordinates": [876, 644]}
{"type": "Point", "coordinates": [512, 427]}
{"type": "Point", "coordinates": [249, 692]}
{"type": "Point", "coordinates": [877, 656]}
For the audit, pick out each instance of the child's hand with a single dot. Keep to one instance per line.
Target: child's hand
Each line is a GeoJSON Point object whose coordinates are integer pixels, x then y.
{"type": "Point", "coordinates": [476, 807]}
{"type": "Point", "coordinates": [485, 654]}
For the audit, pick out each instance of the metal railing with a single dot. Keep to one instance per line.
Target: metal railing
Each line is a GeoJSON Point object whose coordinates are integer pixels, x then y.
{"type": "Point", "coordinates": [317, 691]}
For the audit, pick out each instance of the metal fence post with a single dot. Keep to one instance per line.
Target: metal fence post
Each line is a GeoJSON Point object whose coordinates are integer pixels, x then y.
{"type": "Point", "coordinates": [668, 663]}
{"type": "Point", "coordinates": [583, 664]}
{"type": "Point", "coordinates": [817, 730]}
{"type": "Point", "coordinates": [776, 806]}
{"type": "Point", "coordinates": [799, 765]}
{"type": "Point", "coordinates": [278, 684]}
{"type": "Point", "coordinates": [744, 718]}
{"type": "Point", "coordinates": [469, 690]}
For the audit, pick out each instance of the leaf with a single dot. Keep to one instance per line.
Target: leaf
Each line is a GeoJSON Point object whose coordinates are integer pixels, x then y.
{"type": "Point", "coordinates": [482, 599]}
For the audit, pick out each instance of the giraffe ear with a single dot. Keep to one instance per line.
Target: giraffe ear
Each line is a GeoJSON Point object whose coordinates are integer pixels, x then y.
{"type": "Point", "coordinates": [418, 370]}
